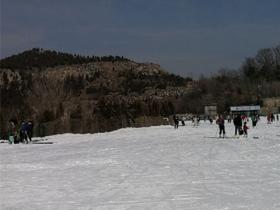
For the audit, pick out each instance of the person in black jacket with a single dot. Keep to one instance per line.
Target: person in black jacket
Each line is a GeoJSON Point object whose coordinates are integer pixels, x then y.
{"type": "Point", "coordinates": [29, 130]}
{"type": "Point", "coordinates": [176, 121]}
{"type": "Point", "coordinates": [237, 124]}
{"type": "Point", "coordinates": [221, 122]}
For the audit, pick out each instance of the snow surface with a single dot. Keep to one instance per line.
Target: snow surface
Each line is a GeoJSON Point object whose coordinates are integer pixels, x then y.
{"type": "Point", "coordinates": [145, 168]}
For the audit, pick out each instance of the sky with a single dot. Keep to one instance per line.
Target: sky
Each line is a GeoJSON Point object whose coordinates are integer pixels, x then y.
{"type": "Point", "coordinates": [186, 37]}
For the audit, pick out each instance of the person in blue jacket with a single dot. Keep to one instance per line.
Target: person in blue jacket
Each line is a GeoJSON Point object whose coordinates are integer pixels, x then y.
{"type": "Point", "coordinates": [23, 132]}
{"type": "Point", "coordinates": [29, 130]}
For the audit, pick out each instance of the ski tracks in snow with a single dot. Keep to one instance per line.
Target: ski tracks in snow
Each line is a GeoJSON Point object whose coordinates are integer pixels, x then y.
{"type": "Point", "coordinates": [145, 168]}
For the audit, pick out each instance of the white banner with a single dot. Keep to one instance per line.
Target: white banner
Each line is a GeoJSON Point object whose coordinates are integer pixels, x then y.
{"type": "Point", "coordinates": [245, 108]}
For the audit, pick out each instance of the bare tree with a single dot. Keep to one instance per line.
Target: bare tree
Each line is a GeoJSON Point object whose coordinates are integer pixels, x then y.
{"type": "Point", "coordinates": [265, 57]}
{"type": "Point", "coordinates": [276, 51]}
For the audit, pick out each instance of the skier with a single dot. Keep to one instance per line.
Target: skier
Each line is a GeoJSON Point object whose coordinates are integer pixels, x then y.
{"type": "Point", "coordinates": [176, 121]}
{"type": "Point", "coordinates": [229, 118]}
{"type": "Point", "coordinates": [237, 124]}
{"type": "Point", "coordinates": [29, 130]}
{"type": "Point", "coordinates": [245, 129]}
{"type": "Point", "coordinates": [254, 120]}
{"type": "Point", "coordinates": [183, 122]}
{"type": "Point", "coordinates": [12, 132]}
{"type": "Point", "coordinates": [277, 117]}
{"type": "Point", "coordinates": [221, 122]}
{"type": "Point", "coordinates": [23, 132]}
{"type": "Point", "coordinates": [195, 121]}
{"type": "Point", "coordinates": [268, 118]}
{"type": "Point", "coordinates": [272, 118]}
{"type": "Point", "coordinates": [210, 120]}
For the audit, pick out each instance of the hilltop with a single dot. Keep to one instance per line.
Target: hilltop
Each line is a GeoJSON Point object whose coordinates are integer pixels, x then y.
{"type": "Point", "coordinates": [42, 58]}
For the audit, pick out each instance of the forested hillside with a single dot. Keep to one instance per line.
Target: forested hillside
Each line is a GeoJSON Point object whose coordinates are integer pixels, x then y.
{"type": "Point", "coordinates": [68, 93]}
{"type": "Point", "coordinates": [62, 92]}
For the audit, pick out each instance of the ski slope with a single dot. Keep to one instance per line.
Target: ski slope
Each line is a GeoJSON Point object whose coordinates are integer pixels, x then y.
{"type": "Point", "coordinates": [145, 168]}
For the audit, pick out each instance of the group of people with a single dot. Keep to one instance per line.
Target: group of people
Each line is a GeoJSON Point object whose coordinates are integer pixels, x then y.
{"type": "Point", "coordinates": [177, 120]}
{"type": "Point", "coordinates": [239, 121]}
{"type": "Point", "coordinates": [271, 118]}
{"type": "Point", "coordinates": [240, 124]}
{"type": "Point", "coordinates": [20, 132]}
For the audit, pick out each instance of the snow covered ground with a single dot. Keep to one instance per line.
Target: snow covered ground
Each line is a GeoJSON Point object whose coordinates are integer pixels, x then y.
{"type": "Point", "coordinates": [145, 168]}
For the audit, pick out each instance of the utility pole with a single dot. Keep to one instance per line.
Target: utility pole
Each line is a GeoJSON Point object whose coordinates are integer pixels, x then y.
{"type": "Point", "coordinates": [259, 94]}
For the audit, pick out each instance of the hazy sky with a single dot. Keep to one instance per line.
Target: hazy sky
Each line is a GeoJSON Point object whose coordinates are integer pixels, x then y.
{"type": "Point", "coordinates": [186, 37]}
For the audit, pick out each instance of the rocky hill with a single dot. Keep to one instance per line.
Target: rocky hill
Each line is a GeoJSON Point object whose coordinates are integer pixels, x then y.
{"type": "Point", "coordinates": [85, 94]}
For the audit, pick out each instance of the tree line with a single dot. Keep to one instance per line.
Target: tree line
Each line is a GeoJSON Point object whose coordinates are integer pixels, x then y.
{"type": "Point", "coordinates": [265, 65]}
{"type": "Point", "coordinates": [257, 78]}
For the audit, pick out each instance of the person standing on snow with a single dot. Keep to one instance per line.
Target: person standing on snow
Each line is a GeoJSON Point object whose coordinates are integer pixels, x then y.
{"type": "Point", "coordinates": [245, 129]}
{"type": "Point", "coordinates": [229, 118]}
{"type": "Point", "coordinates": [268, 118]}
{"type": "Point", "coordinates": [195, 121]}
{"type": "Point", "coordinates": [237, 124]}
{"type": "Point", "coordinates": [221, 122]}
{"type": "Point", "coordinates": [210, 120]}
{"type": "Point", "coordinates": [29, 130]}
{"type": "Point", "coordinates": [12, 132]}
{"type": "Point", "coordinates": [23, 132]}
{"type": "Point", "coordinates": [183, 121]}
{"type": "Point", "coordinates": [176, 121]}
{"type": "Point", "coordinates": [254, 120]}
{"type": "Point", "coordinates": [272, 118]}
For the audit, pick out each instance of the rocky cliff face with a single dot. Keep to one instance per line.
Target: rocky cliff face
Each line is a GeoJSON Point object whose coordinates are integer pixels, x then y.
{"type": "Point", "coordinates": [87, 98]}
{"type": "Point", "coordinates": [271, 105]}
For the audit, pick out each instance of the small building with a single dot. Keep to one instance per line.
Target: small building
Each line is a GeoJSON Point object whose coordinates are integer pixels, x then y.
{"type": "Point", "coordinates": [210, 110]}
{"type": "Point", "coordinates": [245, 109]}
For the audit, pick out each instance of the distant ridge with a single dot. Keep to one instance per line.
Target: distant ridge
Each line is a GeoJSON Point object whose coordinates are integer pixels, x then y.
{"type": "Point", "coordinates": [41, 58]}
